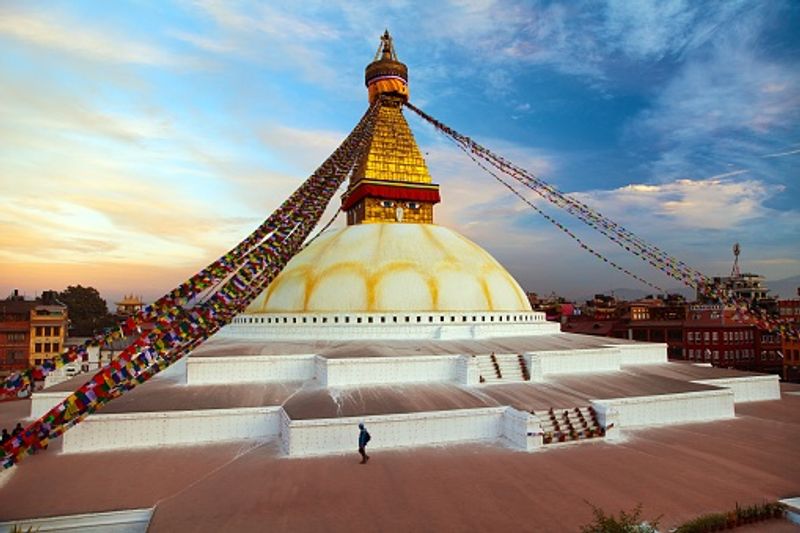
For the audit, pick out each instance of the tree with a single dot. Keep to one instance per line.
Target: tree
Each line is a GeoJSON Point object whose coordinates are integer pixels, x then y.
{"type": "Point", "coordinates": [87, 310]}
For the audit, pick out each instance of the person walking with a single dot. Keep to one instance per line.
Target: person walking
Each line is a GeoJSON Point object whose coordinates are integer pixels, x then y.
{"type": "Point", "coordinates": [363, 438]}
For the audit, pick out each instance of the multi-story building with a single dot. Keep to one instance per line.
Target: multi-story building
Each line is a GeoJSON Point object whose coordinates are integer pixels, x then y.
{"type": "Point", "coordinates": [48, 330]}
{"type": "Point", "coordinates": [790, 348]}
{"type": "Point", "coordinates": [15, 335]}
{"type": "Point", "coordinates": [789, 315]}
{"type": "Point", "coordinates": [713, 334]}
{"type": "Point", "coordinates": [30, 330]}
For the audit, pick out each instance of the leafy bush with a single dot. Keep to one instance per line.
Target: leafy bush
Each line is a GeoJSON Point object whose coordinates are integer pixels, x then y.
{"type": "Point", "coordinates": [626, 522]}
{"type": "Point", "coordinates": [740, 516]}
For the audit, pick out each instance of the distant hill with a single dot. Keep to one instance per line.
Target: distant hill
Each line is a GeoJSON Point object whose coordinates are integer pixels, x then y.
{"type": "Point", "coordinates": [784, 288]}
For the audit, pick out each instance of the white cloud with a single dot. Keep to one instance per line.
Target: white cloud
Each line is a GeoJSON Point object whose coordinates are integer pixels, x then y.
{"type": "Point", "coordinates": [59, 32]}
{"type": "Point", "coordinates": [706, 204]}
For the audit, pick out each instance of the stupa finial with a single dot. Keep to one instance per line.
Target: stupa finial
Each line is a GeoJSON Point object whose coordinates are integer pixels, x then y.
{"type": "Point", "coordinates": [386, 74]}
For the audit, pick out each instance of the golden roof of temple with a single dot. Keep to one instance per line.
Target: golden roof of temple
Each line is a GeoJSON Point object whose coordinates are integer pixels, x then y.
{"type": "Point", "coordinates": [393, 153]}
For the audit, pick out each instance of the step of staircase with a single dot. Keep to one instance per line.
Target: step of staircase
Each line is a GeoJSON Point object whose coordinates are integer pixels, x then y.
{"type": "Point", "coordinates": [569, 425]}
{"type": "Point", "coordinates": [487, 370]}
{"type": "Point", "coordinates": [510, 367]}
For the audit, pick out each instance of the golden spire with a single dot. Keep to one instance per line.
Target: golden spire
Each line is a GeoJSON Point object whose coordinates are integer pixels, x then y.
{"type": "Point", "coordinates": [391, 182]}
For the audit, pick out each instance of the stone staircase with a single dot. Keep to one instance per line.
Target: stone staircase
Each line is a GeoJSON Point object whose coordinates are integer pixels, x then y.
{"type": "Point", "coordinates": [569, 425]}
{"type": "Point", "coordinates": [502, 368]}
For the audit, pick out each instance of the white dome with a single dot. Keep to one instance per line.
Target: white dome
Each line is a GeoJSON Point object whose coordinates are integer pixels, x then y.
{"type": "Point", "coordinates": [392, 267]}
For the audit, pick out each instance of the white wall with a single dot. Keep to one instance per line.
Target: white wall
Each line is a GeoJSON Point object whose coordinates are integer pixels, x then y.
{"type": "Point", "coordinates": [749, 388]}
{"type": "Point", "coordinates": [43, 401]}
{"type": "Point", "coordinates": [250, 368]}
{"type": "Point", "coordinates": [141, 430]}
{"type": "Point", "coordinates": [346, 326]}
{"type": "Point", "coordinates": [572, 362]}
{"type": "Point", "coordinates": [375, 370]}
{"type": "Point", "coordinates": [665, 409]}
{"type": "Point", "coordinates": [642, 353]}
{"type": "Point", "coordinates": [340, 435]}
{"type": "Point", "coordinates": [127, 521]}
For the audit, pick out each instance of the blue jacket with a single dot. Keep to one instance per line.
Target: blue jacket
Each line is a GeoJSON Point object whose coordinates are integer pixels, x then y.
{"type": "Point", "coordinates": [363, 437]}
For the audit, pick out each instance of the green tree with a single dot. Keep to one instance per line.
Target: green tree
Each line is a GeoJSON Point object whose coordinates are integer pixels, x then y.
{"type": "Point", "coordinates": [87, 310]}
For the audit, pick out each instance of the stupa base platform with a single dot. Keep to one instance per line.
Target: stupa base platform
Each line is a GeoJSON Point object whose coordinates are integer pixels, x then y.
{"type": "Point", "coordinates": [449, 488]}
{"type": "Point", "coordinates": [309, 418]}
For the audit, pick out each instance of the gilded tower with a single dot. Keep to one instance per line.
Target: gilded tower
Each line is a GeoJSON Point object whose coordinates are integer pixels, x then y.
{"type": "Point", "coordinates": [391, 182]}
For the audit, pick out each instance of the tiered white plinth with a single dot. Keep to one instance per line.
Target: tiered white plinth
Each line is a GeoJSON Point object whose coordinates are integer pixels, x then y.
{"type": "Point", "coordinates": [396, 325]}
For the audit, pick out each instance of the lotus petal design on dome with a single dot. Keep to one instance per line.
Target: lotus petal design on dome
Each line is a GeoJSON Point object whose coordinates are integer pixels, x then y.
{"type": "Point", "coordinates": [392, 267]}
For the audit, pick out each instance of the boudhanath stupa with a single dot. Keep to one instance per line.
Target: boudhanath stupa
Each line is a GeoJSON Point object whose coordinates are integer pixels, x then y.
{"type": "Point", "coordinates": [483, 415]}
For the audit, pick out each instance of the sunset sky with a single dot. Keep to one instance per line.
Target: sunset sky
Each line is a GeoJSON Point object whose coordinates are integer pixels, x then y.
{"type": "Point", "coordinates": [141, 140]}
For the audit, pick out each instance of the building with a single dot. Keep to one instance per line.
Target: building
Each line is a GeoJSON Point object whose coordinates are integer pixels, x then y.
{"type": "Point", "coordinates": [789, 315]}
{"type": "Point", "coordinates": [130, 304]}
{"type": "Point", "coordinates": [15, 335]}
{"type": "Point", "coordinates": [31, 330]}
{"type": "Point", "coordinates": [649, 320]}
{"type": "Point", "coordinates": [713, 334]}
{"type": "Point", "coordinates": [419, 333]}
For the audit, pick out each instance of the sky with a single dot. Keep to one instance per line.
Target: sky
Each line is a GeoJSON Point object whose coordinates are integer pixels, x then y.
{"type": "Point", "coordinates": [141, 140]}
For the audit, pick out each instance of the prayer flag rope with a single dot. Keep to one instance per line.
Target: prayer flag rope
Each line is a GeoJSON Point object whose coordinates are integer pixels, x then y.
{"type": "Point", "coordinates": [621, 236]}
{"type": "Point", "coordinates": [204, 280]}
{"type": "Point", "coordinates": [558, 225]}
{"type": "Point", "coordinates": [179, 329]}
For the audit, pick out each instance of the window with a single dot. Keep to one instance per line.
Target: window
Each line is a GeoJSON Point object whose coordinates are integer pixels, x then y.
{"type": "Point", "coordinates": [39, 331]}
{"type": "Point", "coordinates": [387, 203]}
{"type": "Point", "coordinates": [48, 347]}
{"type": "Point", "coordinates": [412, 205]}
{"type": "Point", "coordinates": [56, 347]}
{"type": "Point", "coordinates": [38, 347]}
{"type": "Point", "coordinates": [706, 337]}
{"type": "Point", "coordinates": [715, 337]}
{"type": "Point", "coordinates": [15, 337]}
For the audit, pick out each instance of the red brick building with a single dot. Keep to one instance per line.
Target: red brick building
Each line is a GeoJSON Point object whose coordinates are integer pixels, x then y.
{"type": "Point", "coordinates": [30, 331]}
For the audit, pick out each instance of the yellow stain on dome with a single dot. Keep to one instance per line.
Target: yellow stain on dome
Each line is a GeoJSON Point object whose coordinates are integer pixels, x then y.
{"type": "Point", "coordinates": [392, 267]}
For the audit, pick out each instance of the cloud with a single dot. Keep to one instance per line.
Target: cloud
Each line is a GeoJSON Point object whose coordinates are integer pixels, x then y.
{"type": "Point", "coordinates": [62, 33]}
{"type": "Point", "coordinates": [725, 106]}
{"type": "Point", "coordinates": [266, 34]}
{"type": "Point", "coordinates": [783, 154]}
{"type": "Point", "coordinates": [706, 204]}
